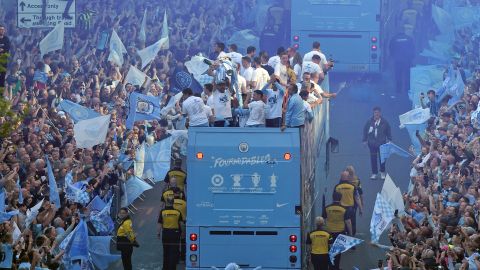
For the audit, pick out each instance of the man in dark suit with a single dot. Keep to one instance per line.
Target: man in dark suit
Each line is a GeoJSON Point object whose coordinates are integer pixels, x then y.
{"type": "Point", "coordinates": [375, 133]}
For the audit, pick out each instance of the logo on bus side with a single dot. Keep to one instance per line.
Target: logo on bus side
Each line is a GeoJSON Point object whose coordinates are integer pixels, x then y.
{"type": "Point", "coordinates": [217, 180]}
{"type": "Point", "coordinates": [243, 147]}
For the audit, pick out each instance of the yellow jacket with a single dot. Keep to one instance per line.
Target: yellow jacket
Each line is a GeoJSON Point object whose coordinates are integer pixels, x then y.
{"type": "Point", "coordinates": [126, 230]}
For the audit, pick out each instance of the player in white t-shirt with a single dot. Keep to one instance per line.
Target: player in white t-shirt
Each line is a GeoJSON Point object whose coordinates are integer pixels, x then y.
{"type": "Point", "coordinates": [220, 102]}
{"type": "Point", "coordinates": [257, 109]}
{"type": "Point", "coordinates": [234, 55]}
{"type": "Point", "coordinates": [193, 109]}
{"type": "Point", "coordinates": [281, 69]}
{"type": "Point", "coordinates": [274, 97]}
{"type": "Point", "coordinates": [260, 75]}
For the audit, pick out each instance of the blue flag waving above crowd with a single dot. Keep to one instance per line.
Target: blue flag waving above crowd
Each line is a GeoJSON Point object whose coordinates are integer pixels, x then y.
{"type": "Point", "coordinates": [54, 196]}
{"type": "Point", "coordinates": [181, 79]}
{"type": "Point", "coordinates": [142, 107]}
{"type": "Point", "coordinates": [386, 150]}
{"type": "Point", "coordinates": [77, 112]}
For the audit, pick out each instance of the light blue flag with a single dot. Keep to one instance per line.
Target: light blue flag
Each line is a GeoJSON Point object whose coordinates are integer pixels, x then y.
{"type": "Point", "coordinates": [2, 200]}
{"type": "Point", "coordinates": [134, 188]}
{"type": "Point", "coordinates": [54, 196]}
{"type": "Point", "coordinates": [101, 220]}
{"type": "Point", "coordinates": [381, 217]}
{"type": "Point", "coordinates": [157, 160]}
{"type": "Point", "coordinates": [99, 248]}
{"type": "Point", "coordinates": [386, 150]}
{"type": "Point", "coordinates": [4, 216]}
{"type": "Point", "coordinates": [20, 193]}
{"type": "Point", "coordinates": [77, 112]}
{"type": "Point", "coordinates": [78, 247]}
{"type": "Point", "coordinates": [412, 129]}
{"type": "Point", "coordinates": [142, 36]}
{"type": "Point", "coordinates": [7, 258]}
{"type": "Point", "coordinates": [443, 20]}
{"type": "Point", "coordinates": [142, 107]}
{"type": "Point", "coordinates": [471, 261]}
{"type": "Point", "coordinates": [342, 243]}
{"type": "Point", "coordinates": [97, 204]}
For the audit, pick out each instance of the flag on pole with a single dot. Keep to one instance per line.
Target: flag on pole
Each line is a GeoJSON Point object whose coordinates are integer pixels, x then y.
{"type": "Point", "coordinates": [99, 249]}
{"type": "Point", "coordinates": [150, 52]}
{"type": "Point", "coordinates": [166, 44]}
{"type": "Point", "coordinates": [393, 195]}
{"type": "Point", "coordinates": [2, 200]}
{"type": "Point", "coordinates": [52, 184]}
{"type": "Point", "coordinates": [77, 112]}
{"type": "Point", "coordinates": [142, 36]}
{"type": "Point", "coordinates": [53, 41]}
{"type": "Point", "coordinates": [91, 132]}
{"type": "Point", "coordinates": [77, 246]}
{"type": "Point", "coordinates": [381, 217]}
{"type": "Point", "coordinates": [139, 163]}
{"type": "Point", "coordinates": [181, 79]}
{"type": "Point", "coordinates": [142, 107]}
{"type": "Point", "coordinates": [20, 193]}
{"type": "Point", "coordinates": [157, 160]}
{"type": "Point", "coordinates": [117, 49]}
{"type": "Point", "coordinates": [136, 77]}
{"type": "Point", "coordinates": [96, 205]}
{"type": "Point", "coordinates": [101, 220]}
{"type": "Point", "coordinates": [134, 188]}
{"type": "Point", "coordinates": [171, 103]}
{"type": "Point", "coordinates": [32, 213]}
{"type": "Point", "coordinates": [342, 243]}
{"type": "Point", "coordinates": [386, 150]}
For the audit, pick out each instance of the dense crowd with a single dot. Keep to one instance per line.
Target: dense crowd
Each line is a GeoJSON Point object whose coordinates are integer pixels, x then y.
{"type": "Point", "coordinates": [441, 224]}
{"type": "Point", "coordinates": [41, 146]}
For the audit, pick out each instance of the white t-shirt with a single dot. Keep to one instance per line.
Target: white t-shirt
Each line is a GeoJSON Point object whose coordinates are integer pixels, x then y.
{"type": "Point", "coordinates": [220, 103]}
{"type": "Point", "coordinates": [274, 101]}
{"type": "Point", "coordinates": [298, 70]}
{"type": "Point", "coordinates": [236, 57]}
{"type": "Point", "coordinates": [248, 74]}
{"type": "Point", "coordinates": [193, 107]}
{"type": "Point", "coordinates": [242, 84]}
{"type": "Point", "coordinates": [311, 67]}
{"type": "Point", "coordinates": [308, 57]}
{"type": "Point", "coordinates": [261, 77]}
{"type": "Point", "coordinates": [281, 72]}
{"type": "Point", "coordinates": [257, 113]}
{"type": "Point", "coordinates": [208, 111]}
{"type": "Point", "coordinates": [273, 61]}
{"type": "Point", "coordinates": [221, 55]}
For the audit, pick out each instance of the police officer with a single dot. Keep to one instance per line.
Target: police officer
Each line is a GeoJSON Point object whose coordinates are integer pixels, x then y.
{"type": "Point", "coordinates": [338, 222]}
{"type": "Point", "coordinates": [319, 241]}
{"type": "Point", "coordinates": [169, 230]}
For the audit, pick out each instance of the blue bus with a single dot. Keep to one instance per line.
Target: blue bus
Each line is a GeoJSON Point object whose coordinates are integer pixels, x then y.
{"type": "Point", "coordinates": [243, 198]}
{"type": "Point", "coordinates": [349, 31]}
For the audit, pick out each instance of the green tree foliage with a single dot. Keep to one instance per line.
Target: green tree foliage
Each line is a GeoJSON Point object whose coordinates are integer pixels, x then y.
{"type": "Point", "coordinates": [9, 120]}
{"type": "Point", "coordinates": [3, 62]}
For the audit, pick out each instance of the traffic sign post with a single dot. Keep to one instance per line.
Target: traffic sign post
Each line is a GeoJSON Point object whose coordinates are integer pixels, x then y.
{"type": "Point", "coordinates": [30, 13]}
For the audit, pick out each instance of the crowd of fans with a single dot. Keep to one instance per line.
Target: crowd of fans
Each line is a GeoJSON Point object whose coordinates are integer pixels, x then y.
{"type": "Point", "coordinates": [81, 73]}
{"type": "Point", "coordinates": [441, 225]}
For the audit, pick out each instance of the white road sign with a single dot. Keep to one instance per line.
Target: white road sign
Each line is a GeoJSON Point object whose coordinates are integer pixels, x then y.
{"type": "Point", "coordinates": [29, 13]}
